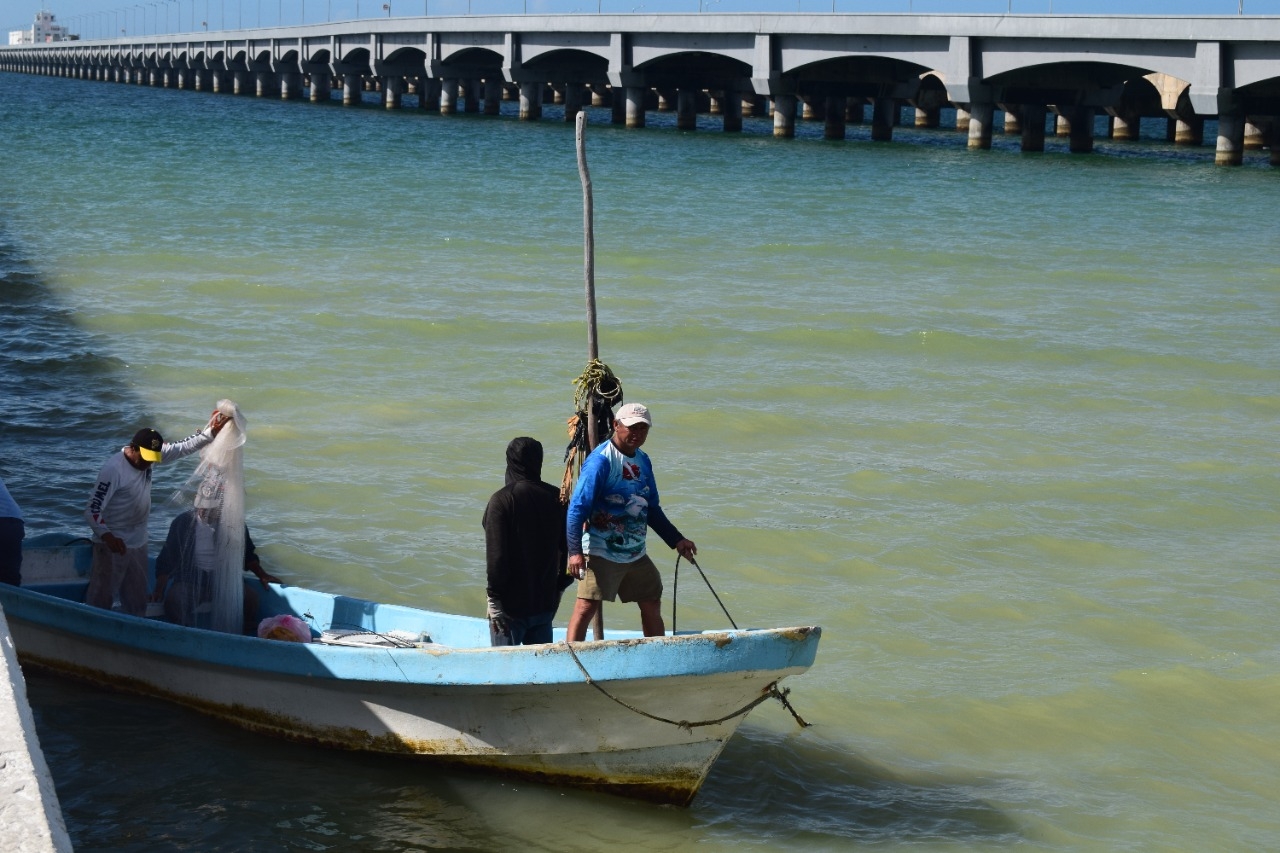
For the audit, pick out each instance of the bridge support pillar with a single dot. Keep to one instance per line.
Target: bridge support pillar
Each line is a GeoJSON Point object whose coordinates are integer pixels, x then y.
{"type": "Point", "coordinates": [1062, 125]}
{"type": "Point", "coordinates": [928, 116]}
{"type": "Point", "coordinates": [572, 101]}
{"type": "Point", "coordinates": [618, 112]}
{"type": "Point", "coordinates": [1189, 131]}
{"type": "Point", "coordinates": [784, 116]}
{"type": "Point", "coordinates": [731, 111]}
{"type": "Point", "coordinates": [687, 109]}
{"type": "Point", "coordinates": [834, 128]}
{"type": "Point", "coordinates": [1081, 125]}
{"type": "Point", "coordinates": [239, 82]}
{"type": "Point", "coordinates": [473, 90]}
{"type": "Point", "coordinates": [1033, 116]}
{"type": "Point", "coordinates": [352, 89]}
{"type": "Point", "coordinates": [530, 101]}
{"type": "Point", "coordinates": [492, 96]}
{"type": "Point", "coordinates": [200, 79]}
{"type": "Point", "coordinates": [962, 120]}
{"type": "Point", "coordinates": [218, 82]}
{"type": "Point", "coordinates": [321, 88]}
{"type": "Point", "coordinates": [263, 83]}
{"type": "Point", "coordinates": [1126, 125]}
{"type": "Point", "coordinates": [290, 85]}
{"type": "Point", "coordinates": [980, 118]}
{"type": "Point", "coordinates": [812, 109]}
{"type": "Point", "coordinates": [428, 93]}
{"type": "Point", "coordinates": [855, 110]}
{"type": "Point", "coordinates": [1012, 119]}
{"type": "Point", "coordinates": [1254, 135]}
{"type": "Point", "coordinates": [883, 113]}
{"type": "Point", "coordinates": [448, 96]}
{"type": "Point", "coordinates": [392, 91]}
{"type": "Point", "coordinates": [635, 106]}
{"type": "Point", "coordinates": [1230, 148]}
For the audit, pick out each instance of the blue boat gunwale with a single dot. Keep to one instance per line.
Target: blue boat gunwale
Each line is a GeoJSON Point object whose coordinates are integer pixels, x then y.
{"type": "Point", "coordinates": [627, 659]}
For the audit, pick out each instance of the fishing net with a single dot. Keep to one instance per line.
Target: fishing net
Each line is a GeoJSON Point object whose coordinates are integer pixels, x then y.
{"type": "Point", "coordinates": [209, 578]}
{"type": "Point", "coordinates": [597, 390]}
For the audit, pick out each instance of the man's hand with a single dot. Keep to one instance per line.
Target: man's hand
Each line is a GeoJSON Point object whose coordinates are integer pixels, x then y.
{"type": "Point", "coordinates": [685, 548]}
{"type": "Point", "coordinates": [114, 543]}
{"type": "Point", "coordinates": [578, 566]}
{"type": "Point", "coordinates": [498, 617]}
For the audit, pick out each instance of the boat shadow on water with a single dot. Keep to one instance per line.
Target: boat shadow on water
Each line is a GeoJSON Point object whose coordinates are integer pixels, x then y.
{"type": "Point", "coordinates": [805, 790]}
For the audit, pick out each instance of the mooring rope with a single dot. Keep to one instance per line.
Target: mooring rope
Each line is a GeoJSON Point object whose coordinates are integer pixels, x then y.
{"type": "Point", "coordinates": [770, 692]}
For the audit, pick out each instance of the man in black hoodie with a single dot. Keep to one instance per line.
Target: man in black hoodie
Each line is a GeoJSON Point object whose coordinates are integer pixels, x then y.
{"type": "Point", "coordinates": [525, 550]}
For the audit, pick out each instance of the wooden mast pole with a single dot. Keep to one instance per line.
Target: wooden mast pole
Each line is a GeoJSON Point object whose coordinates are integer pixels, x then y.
{"type": "Point", "coordinates": [589, 274]}
{"type": "Point", "coordinates": [588, 260]}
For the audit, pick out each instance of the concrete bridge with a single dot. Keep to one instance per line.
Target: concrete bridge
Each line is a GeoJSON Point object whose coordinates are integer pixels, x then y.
{"type": "Point", "coordinates": [835, 68]}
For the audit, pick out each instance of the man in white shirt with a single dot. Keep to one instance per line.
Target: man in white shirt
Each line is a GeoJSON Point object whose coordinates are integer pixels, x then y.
{"type": "Point", "coordinates": [118, 511]}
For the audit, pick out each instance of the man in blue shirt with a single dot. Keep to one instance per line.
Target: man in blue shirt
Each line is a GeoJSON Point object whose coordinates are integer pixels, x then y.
{"type": "Point", "coordinates": [613, 504]}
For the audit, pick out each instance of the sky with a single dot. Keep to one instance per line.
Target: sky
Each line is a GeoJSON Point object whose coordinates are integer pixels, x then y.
{"type": "Point", "coordinates": [105, 18]}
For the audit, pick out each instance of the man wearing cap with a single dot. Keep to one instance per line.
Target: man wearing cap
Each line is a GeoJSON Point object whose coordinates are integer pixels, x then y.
{"type": "Point", "coordinates": [118, 511]}
{"type": "Point", "coordinates": [613, 504]}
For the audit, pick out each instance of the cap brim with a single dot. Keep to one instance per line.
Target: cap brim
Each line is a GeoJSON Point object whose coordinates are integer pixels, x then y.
{"type": "Point", "coordinates": [634, 421]}
{"type": "Point", "coordinates": [149, 455]}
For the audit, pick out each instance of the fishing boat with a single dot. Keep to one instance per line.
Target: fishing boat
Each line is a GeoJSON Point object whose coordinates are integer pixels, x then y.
{"type": "Point", "coordinates": [641, 717]}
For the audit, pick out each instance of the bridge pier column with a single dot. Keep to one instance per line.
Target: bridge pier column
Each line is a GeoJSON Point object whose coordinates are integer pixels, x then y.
{"type": "Point", "coordinates": [1081, 123]}
{"type": "Point", "coordinates": [1126, 126]}
{"type": "Point", "coordinates": [1188, 131]}
{"type": "Point", "coordinates": [635, 106]}
{"type": "Point", "coordinates": [812, 109]}
{"type": "Point", "coordinates": [1012, 119]}
{"type": "Point", "coordinates": [883, 115]}
{"type": "Point", "coordinates": [473, 89]}
{"type": "Point", "coordinates": [618, 106]}
{"type": "Point", "coordinates": [263, 83]}
{"type": "Point", "coordinates": [218, 82]}
{"type": "Point", "coordinates": [927, 117]}
{"type": "Point", "coordinates": [834, 128]}
{"type": "Point", "coordinates": [1230, 148]}
{"type": "Point", "coordinates": [1033, 116]}
{"type": "Point", "coordinates": [321, 88]}
{"type": "Point", "coordinates": [392, 91]}
{"type": "Point", "coordinates": [240, 82]}
{"type": "Point", "coordinates": [731, 111]}
{"type": "Point", "coordinates": [290, 85]}
{"type": "Point", "coordinates": [184, 78]}
{"type": "Point", "coordinates": [980, 117]}
{"type": "Point", "coordinates": [572, 101]}
{"type": "Point", "coordinates": [855, 110]}
{"type": "Point", "coordinates": [492, 96]}
{"type": "Point", "coordinates": [962, 119]}
{"type": "Point", "coordinates": [600, 97]}
{"type": "Point", "coordinates": [666, 99]}
{"type": "Point", "coordinates": [784, 116]}
{"type": "Point", "coordinates": [530, 101]}
{"type": "Point", "coordinates": [428, 93]}
{"type": "Point", "coordinates": [1254, 135]}
{"type": "Point", "coordinates": [448, 96]}
{"type": "Point", "coordinates": [352, 89]}
{"type": "Point", "coordinates": [200, 80]}
{"type": "Point", "coordinates": [686, 109]}
{"type": "Point", "coordinates": [1062, 125]}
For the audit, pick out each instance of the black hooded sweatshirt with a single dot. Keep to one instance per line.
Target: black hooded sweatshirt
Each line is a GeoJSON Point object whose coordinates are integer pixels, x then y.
{"type": "Point", "coordinates": [524, 536]}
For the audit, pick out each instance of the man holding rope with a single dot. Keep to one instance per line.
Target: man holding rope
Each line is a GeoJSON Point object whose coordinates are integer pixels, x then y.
{"type": "Point", "coordinates": [613, 504]}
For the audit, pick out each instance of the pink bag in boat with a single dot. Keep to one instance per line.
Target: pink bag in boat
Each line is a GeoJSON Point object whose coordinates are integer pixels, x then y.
{"type": "Point", "coordinates": [284, 627]}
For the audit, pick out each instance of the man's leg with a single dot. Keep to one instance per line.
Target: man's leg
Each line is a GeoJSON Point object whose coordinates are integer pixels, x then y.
{"type": "Point", "coordinates": [104, 579]}
{"type": "Point", "coordinates": [651, 618]}
{"type": "Point", "coordinates": [584, 610]}
{"type": "Point", "coordinates": [133, 583]}
{"type": "Point", "coordinates": [537, 629]}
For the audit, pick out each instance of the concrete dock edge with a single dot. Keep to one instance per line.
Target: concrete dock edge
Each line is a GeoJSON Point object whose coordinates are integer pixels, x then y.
{"type": "Point", "coordinates": [30, 817]}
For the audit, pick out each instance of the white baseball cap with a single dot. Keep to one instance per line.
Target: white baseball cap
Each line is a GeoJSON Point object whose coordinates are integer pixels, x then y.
{"type": "Point", "coordinates": [633, 413]}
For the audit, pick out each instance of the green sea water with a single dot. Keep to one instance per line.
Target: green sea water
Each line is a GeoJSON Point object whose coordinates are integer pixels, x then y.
{"type": "Point", "coordinates": [1004, 425]}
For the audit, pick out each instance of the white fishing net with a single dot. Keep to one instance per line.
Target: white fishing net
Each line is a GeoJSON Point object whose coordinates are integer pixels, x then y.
{"type": "Point", "coordinates": [211, 554]}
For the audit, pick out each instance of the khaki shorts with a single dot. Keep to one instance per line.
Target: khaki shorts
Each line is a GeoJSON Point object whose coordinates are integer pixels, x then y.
{"type": "Point", "coordinates": [606, 580]}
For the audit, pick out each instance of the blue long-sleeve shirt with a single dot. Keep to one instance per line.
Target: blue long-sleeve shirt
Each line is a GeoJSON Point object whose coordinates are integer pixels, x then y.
{"type": "Point", "coordinates": [616, 498]}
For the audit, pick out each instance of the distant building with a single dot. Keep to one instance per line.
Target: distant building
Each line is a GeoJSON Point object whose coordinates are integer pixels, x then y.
{"type": "Point", "coordinates": [43, 30]}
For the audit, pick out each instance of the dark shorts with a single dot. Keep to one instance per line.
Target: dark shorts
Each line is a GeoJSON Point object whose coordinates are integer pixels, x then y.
{"type": "Point", "coordinates": [606, 580]}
